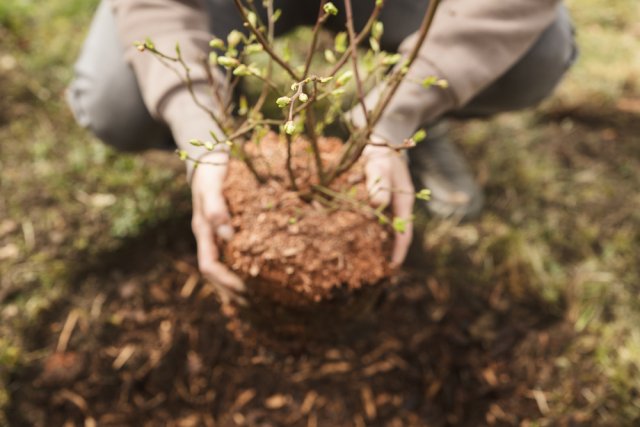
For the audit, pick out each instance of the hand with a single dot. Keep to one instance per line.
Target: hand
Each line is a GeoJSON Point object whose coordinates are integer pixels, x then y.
{"type": "Point", "coordinates": [210, 224]}
{"type": "Point", "coordinates": [389, 182]}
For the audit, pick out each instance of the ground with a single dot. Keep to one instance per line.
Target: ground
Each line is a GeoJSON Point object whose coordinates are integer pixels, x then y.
{"type": "Point", "coordinates": [527, 316]}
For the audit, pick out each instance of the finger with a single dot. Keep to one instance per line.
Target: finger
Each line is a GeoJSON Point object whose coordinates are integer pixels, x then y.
{"type": "Point", "coordinates": [224, 232]}
{"type": "Point", "coordinates": [402, 207]}
{"type": "Point", "coordinates": [378, 182]}
{"type": "Point", "coordinates": [208, 255]}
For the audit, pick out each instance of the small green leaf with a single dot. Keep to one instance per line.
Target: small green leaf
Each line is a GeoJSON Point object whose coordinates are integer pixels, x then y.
{"type": "Point", "coordinates": [252, 18]}
{"type": "Point", "coordinates": [243, 106]}
{"type": "Point", "coordinates": [424, 194]}
{"type": "Point", "coordinates": [242, 70]}
{"type": "Point", "coordinates": [399, 224]}
{"type": "Point", "coordinates": [344, 78]}
{"type": "Point", "coordinates": [375, 45]}
{"type": "Point", "coordinates": [234, 38]}
{"type": "Point", "coordinates": [330, 8]}
{"type": "Point", "coordinates": [289, 127]}
{"type": "Point", "coordinates": [391, 59]}
{"type": "Point", "coordinates": [228, 62]}
{"type": "Point", "coordinates": [283, 101]}
{"type": "Point", "coordinates": [216, 43]}
{"type": "Point", "coordinates": [377, 30]}
{"type": "Point", "coordinates": [329, 56]}
{"type": "Point", "coordinates": [419, 136]}
{"type": "Point", "coordinates": [253, 48]}
{"type": "Point", "coordinates": [277, 14]}
{"type": "Point", "coordinates": [341, 42]}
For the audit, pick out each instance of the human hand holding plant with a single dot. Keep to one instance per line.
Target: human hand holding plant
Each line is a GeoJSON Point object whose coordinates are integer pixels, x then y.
{"type": "Point", "coordinates": [389, 184]}
{"type": "Point", "coordinates": [210, 225]}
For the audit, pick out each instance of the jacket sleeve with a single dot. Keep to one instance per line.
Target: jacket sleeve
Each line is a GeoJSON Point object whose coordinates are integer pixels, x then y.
{"type": "Point", "coordinates": [470, 44]}
{"type": "Point", "coordinates": [167, 22]}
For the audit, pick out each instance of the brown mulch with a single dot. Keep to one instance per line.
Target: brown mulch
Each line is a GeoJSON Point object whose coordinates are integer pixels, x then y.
{"type": "Point", "coordinates": [151, 347]}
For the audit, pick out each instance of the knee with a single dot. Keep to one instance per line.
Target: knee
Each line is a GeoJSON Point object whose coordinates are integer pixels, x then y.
{"type": "Point", "coordinates": [111, 107]}
{"type": "Point", "coordinates": [546, 63]}
{"type": "Point", "coordinates": [535, 75]}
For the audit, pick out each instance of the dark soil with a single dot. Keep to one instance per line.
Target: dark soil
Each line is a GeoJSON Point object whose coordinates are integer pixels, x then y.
{"type": "Point", "coordinates": [149, 345]}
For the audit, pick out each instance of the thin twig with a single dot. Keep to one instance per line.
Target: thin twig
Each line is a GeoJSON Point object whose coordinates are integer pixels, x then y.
{"type": "Point", "coordinates": [292, 176]}
{"type": "Point", "coordinates": [354, 58]}
{"type": "Point", "coordinates": [322, 17]}
{"type": "Point", "coordinates": [265, 43]}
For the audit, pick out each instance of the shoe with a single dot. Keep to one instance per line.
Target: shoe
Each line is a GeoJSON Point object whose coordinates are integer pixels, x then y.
{"type": "Point", "coordinates": [436, 164]}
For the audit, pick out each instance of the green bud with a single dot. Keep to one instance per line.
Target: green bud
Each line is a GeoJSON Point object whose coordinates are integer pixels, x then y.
{"type": "Point", "coordinates": [216, 43]}
{"type": "Point", "coordinates": [375, 45]}
{"type": "Point", "coordinates": [377, 30]}
{"type": "Point", "coordinates": [213, 58]}
{"type": "Point", "coordinates": [227, 62]}
{"type": "Point", "coordinates": [234, 38]}
{"type": "Point", "coordinates": [329, 56]}
{"type": "Point", "coordinates": [241, 70]}
{"type": "Point", "coordinates": [399, 224]}
{"type": "Point", "coordinates": [341, 42]}
{"type": "Point", "coordinates": [196, 142]}
{"type": "Point", "coordinates": [294, 86]}
{"type": "Point", "coordinates": [252, 18]}
{"type": "Point", "coordinates": [277, 14]}
{"type": "Point", "coordinates": [283, 101]}
{"type": "Point", "coordinates": [253, 48]}
{"type": "Point", "coordinates": [424, 194]}
{"type": "Point", "coordinates": [338, 92]}
{"type": "Point", "coordinates": [330, 8]}
{"type": "Point", "coordinates": [209, 146]}
{"type": "Point", "coordinates": [434, 81]}
{"type": "Point", "coordinates": [379, 2]}
{"type": "Point", "coordinates": [183, 155]}
{"type": "Point", "coordinates": [344, 78]}
{"type": "Point", "coordinates": [289, 127]}
{"type": "Point", "coordinates": [243, 106]}
{"type": "Point", "coordinates": [391, 59]}
{"type": "Point", "coordinates": [303, 97]}
{"type": "Point", "coordinates": [419, 136]}
{"type": "Point", "coordinates": [325, 79]}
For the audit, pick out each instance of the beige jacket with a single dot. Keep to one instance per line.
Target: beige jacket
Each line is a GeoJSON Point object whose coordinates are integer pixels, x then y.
{"type": "Point", "coordinates": [470, 45]}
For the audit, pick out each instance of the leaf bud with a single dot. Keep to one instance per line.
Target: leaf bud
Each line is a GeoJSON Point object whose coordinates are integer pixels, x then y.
{"type": "Point", "coordinates": [289, 127]}
{"type": "Point", "coordinates": [283, 101]}
{"type": "Point", "coordinates": [330, 8]}
{"type": "Point", "coordinates": [216, 43]}
{"type": "Point", "coordinates": [303, 97]}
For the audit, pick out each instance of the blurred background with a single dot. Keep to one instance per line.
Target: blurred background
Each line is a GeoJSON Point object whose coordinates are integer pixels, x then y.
{"type": "Point", "coordinates": [83, 229]}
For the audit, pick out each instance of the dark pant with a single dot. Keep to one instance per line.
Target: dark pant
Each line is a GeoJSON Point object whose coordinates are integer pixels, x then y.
{"type": "Point", "coordinates": [105, 97]}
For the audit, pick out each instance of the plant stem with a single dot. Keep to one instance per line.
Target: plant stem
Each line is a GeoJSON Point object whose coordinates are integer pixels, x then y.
{"type": "Point", "coordinates": [354, 58]}
{"type": "Point", "coordinates": [292, 176]}
{"type": "Point", "coordinates": [265, 43]}
{"type": "Point", "coordinates": [367, 28]}
{"type": "Point", "coordinates": [322, 17]}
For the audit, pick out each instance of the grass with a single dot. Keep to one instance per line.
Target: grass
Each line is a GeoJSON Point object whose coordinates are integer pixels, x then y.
{"type": "Point", "coordinates": [562, 218]}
